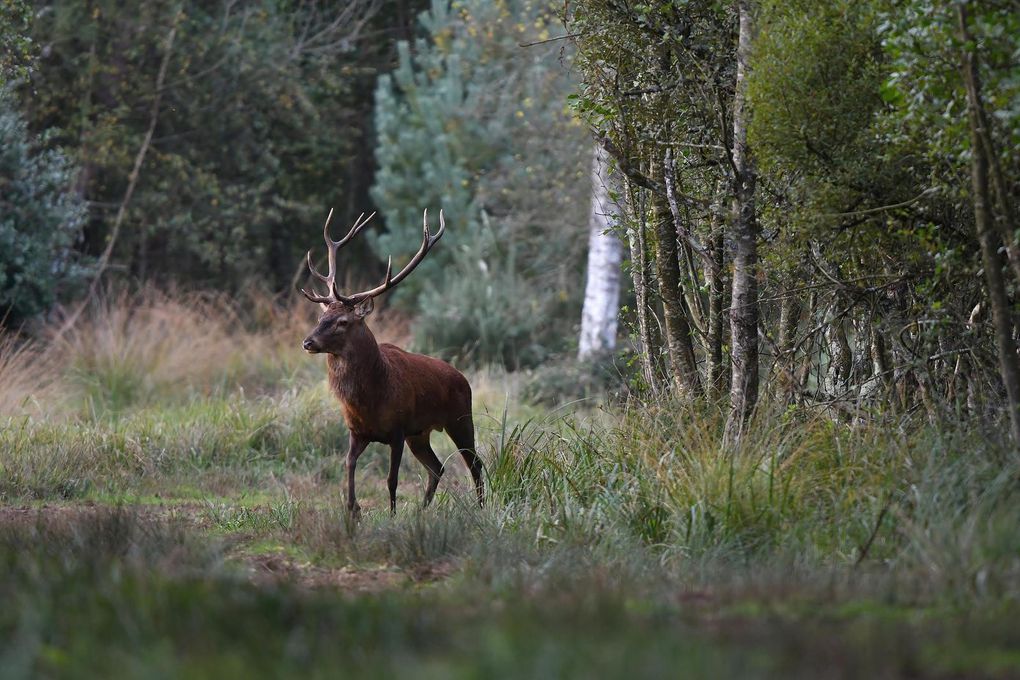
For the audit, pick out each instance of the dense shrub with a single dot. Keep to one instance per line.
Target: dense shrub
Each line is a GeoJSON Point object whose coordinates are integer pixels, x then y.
{"type": "Point", "coordinates": [40, 220]}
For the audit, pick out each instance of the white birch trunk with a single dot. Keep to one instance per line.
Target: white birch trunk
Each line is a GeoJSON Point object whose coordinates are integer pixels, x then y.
{"type": "Point", "coordinates": [744, 299]}
{"type": "Point", "coordinates": [605, 255]}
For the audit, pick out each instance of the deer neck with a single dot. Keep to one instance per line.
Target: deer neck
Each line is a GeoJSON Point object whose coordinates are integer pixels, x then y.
{"type": "Point", "coordinates": [358, 373]}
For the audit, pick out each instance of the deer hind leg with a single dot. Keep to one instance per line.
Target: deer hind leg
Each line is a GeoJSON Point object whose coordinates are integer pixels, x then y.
{"type": "Point", "coordinates": [422, 450]}
{"type": "Point", "coordinates": [396, 453]}
{"type": "Point", "coordinates": [462, 432]}
{"type": "Point", "coordinates": [354, 451]}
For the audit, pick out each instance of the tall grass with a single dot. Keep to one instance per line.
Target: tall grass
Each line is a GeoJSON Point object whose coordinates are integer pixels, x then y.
{"type": "Point", "coordinates": [132, 350]}
{"type": "Point", "coordinates": [203, 395]}
{"type": "Point", "coordinates": [932, 506]}
{"type": "Point", "coordinates": [152, 387]}
{"type": "Point", "coordinates": [630, 516]}
{"type": "Point", "coordinates": [137, 349]}
{"type": "Point", "coordinates": [28, 378]}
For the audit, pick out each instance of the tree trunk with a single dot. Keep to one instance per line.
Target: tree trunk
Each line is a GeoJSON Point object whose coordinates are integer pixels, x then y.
{"type": "Point", "coordinates": [605, 253]}
{"type": "Point", "coordinates": [639, 276]}
{"type": "Point", "coordinates": [1009, 367]}
{"type": "Point", "coordinates": [679, 343]}
{"type": "Point", "coordinates": [790, 309]}
{"type": "Point", "coordinates": [716, 307]}
{"type": "Point", "coordinates": [881, 372]}
{"type": "Point", "coordinates": [841, 357]}
{"type": "Point", "coordinates": [744, 301]}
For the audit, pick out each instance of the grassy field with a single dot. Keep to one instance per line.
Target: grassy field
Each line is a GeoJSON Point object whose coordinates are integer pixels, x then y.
{"type": "Point", "coordinates": [171, 506]}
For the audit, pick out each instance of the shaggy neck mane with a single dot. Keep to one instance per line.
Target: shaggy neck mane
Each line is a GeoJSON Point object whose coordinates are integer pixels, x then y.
{"type": "Point", "coordinates": [358, 373]}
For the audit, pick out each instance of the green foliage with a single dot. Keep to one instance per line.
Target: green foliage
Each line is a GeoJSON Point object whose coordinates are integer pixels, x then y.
{"type": "Point", "coordinates": [813, 103]}
{"type": "Point", "coordinates": [41, 217]}
{"type": "Point", "coordinates": [569, 381]}
{"type": "Point", "coordinates": [491, 309]}
{"type": "Point", "coordinates": [15, 43]}
{"type": "Point", "coordinates": [816, 92]}
{"type": "Point", "coordinates": [255, 135]}
{"type": "Point", "coordinates": [496, 318]}
{"type": "Point", "coordinates": [633, 56]}
{"type": "Point", "coordinates": [925, 88]}
{"type": "Point", "coordinates": [472, 123]}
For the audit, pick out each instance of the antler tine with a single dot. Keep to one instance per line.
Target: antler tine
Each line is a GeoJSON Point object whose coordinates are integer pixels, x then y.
{"type": "Point", "coordinates": [313, 270]}
{"type": "Point", "coordinates": [359, 224]}
{"type": "Point", "coordinates": [332, 295]}
{"type": "Point", "coordinates": [314, 297]}
{"type": "Point", "coordinates": [442, 227]}
{"type": "Point", "coordinates": [428, 240]}
{"type": "Point", "coordinates": [331, 248]}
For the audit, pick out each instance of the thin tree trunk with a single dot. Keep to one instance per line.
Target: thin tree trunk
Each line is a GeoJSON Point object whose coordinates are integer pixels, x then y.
{"type": "Point", "coordinates": [880, 360]}
{"type": "Point", "coordinates": [679, 343]}
{"type": "Point", "coordinates": [605, 254]}
{"type": "Point", "coordinates": [974, 391]}
{"type": "Point", "coordinates": [1009, 367]}
{"type": "Point", "coordinates": [811, 346]}
{"type": "Point", "coordinates": [639, 276]}
{"type": "Point", "coordinates": [716, 307]}
{"type": "Point", "coordinates": [790, 309]}
{"type": "Point", "coordinates": [690, 282]}
{"type": "Point", "coordinates": [1006, 217]}
{"type": "Point", "coordinates": [840, 355]}
{"type": "Point", "coordinates": [744, 301]}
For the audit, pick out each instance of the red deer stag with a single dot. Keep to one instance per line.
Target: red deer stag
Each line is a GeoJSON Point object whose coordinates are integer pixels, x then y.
{"type": "Point", "coordinates": [388, 395]}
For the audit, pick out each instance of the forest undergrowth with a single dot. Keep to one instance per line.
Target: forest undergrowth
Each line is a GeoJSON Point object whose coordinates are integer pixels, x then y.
{"type": "Point", "coordinates": [170, 492]}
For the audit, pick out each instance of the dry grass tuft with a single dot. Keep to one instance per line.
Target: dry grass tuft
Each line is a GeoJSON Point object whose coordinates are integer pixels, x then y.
{"type": "Point", "coordinates": [28, 381]}
{"type": "Point", "coordinates": [134, 349]}
{"type": "Point", "coordinates": [130, 347]}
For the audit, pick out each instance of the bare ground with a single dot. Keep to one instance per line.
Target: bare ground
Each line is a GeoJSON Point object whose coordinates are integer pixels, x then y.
{"type": "Point", "coordinates": [262, 568]}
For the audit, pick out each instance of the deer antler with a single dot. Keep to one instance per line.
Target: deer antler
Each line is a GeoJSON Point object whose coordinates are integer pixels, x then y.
{"type": "Point", "coordinates": [330, 278]}
{"type": "Point", "coordinates": [389, 281]}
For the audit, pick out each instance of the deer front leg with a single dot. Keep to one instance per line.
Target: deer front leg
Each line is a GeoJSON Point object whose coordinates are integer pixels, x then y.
{"type": "Point", "coordinates": [396, 453]}
{"type": "Point", "coordinates": [354, 450]}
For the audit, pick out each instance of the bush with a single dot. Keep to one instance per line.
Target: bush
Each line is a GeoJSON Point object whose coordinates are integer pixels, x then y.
{"type": "Point", "coordinates": [562, 382]}
{"type": "Point", "coordinates": [40, 220]}
{"type": "Point", "coordinates": [483, 311]}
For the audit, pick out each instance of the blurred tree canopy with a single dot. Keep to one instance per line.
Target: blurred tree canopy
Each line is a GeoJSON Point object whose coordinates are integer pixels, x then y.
{"type": "Point", "coordinates": [210, 140]}
{"type": "Point", "coordinates": [474, 120]}
{"type": "Point", "coordinates": [263, 123]}
{"type": "Point", "coordinates": [15, 43]}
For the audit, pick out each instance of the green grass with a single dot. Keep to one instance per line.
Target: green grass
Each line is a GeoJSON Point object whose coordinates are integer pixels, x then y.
{"type": "Point", "coordinates": [110, 592]}
{"type": "Point", "coordinates": [627, 544]}
{"type": "Point", "coordinates": [195, 527]}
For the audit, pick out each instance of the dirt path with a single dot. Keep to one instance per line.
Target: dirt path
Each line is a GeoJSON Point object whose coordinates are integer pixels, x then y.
{"type": "Point", "coordinates": [262, 568]}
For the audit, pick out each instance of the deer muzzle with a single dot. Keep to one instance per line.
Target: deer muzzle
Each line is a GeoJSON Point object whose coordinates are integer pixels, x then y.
{"type": "Point", "coordinates": [311, 346]}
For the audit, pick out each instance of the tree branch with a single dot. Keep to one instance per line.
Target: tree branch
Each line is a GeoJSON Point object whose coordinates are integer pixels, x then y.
{"type": "Point", "coordinates": [104, 259]}
{"type": "Point", "coordinates": [681, 227]}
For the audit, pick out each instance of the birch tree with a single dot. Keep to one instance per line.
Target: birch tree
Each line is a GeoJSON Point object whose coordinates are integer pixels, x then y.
{"type": "Point", "coordinates": [605, 255]}
{"type": "Point", "coordinates": [744, 308]}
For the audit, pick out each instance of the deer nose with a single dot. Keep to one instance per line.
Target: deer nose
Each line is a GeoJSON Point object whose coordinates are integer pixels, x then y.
{"type": "Point", "coordinates": [309, 346]}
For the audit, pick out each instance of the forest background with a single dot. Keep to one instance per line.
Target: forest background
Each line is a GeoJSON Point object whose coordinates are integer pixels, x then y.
{"type": "Point", "coordinates": [735, 282]}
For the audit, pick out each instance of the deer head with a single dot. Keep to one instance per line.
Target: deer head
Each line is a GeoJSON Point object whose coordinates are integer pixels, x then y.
{"type": "Point", "coordinates": [343, 316]}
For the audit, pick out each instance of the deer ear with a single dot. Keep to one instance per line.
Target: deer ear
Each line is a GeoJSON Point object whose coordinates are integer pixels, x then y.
{"type": "Point", "coordinates": [365, 307]}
